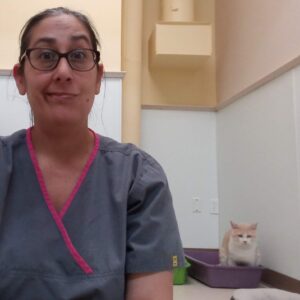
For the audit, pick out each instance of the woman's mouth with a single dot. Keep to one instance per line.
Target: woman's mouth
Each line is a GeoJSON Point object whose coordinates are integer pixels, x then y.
{"type": "Point", "coordinates": [60, 97]}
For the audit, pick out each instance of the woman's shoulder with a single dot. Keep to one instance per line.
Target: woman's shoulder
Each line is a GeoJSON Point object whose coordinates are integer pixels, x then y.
{"type": "Point", "coordinates": [8, 144]}
{"type": "Point", "coordinates": [13, 139]}
{"type": "Point", "coordinates": [110, 146]}
{"type": "Point", "coordinates": [119, 153]}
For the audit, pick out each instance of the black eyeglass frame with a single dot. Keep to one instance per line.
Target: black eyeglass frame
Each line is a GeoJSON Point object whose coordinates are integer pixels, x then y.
{"type": "Point", "coordinates": [60, 55]}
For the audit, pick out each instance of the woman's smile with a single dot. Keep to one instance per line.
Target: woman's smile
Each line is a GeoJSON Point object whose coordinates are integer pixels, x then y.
{"type": "Point", "coordinates": [60, 96]}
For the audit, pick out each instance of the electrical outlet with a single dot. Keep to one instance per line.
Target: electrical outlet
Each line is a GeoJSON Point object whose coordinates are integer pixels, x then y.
{"type": "Point", "coordinates": [214, 206]}
{"type": "Point", "coordinates": [196, 205]}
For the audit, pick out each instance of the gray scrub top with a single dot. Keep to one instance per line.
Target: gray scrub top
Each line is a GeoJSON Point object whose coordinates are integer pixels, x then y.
{"type": "Point", "coordinates": [119, 219]}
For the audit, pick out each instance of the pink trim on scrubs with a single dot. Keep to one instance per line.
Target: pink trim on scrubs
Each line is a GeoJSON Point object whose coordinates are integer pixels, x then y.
{"type": "Point", "coordinates": [57, 216]}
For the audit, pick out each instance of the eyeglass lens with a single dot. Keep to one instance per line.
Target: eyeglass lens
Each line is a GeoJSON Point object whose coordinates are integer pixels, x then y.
{"type": "Point", "coordinates": [47, 59]}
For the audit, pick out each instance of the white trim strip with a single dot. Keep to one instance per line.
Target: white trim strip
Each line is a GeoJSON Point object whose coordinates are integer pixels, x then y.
{"type": "Point", "coordinates": [114, 74]}
{"type": "Point", "coordinates": [5, 72]}
{"type": "Point", "coordinates": [110, 74]}
{"type": "Point", "coordinates": [178, 107]}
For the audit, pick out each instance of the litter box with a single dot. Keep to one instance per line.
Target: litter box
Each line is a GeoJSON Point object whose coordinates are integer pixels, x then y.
{"type": "Point", "coordinates": [205, 268]}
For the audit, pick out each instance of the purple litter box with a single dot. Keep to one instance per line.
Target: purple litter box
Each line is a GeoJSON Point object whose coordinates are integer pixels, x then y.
{"type": "Point", "coordinates": [205, 268]}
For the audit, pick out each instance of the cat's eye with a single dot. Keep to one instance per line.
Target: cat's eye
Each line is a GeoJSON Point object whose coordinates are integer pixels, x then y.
{"type": "Point", "coordinates": [249, 236]}
{"type": "Point", "coordinates": [240, 235]}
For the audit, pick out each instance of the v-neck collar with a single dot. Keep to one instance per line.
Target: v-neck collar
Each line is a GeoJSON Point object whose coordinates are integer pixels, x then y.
{"type": "Point", "coordinates": [58, 215]}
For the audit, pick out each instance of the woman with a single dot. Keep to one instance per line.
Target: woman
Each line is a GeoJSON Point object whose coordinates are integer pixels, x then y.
{"type": "Point", "coordinates": [82, 216]}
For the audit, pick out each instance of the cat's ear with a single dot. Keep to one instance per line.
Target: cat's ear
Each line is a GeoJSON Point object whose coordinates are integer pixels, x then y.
{"type": "Point", "coordinates": [234, 225]}
{"type": "Point", "coordinates": [253, 226]}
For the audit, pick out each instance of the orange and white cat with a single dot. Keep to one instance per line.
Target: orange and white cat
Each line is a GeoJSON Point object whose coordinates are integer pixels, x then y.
{"type": "Point", "coordinates": [239, 247]}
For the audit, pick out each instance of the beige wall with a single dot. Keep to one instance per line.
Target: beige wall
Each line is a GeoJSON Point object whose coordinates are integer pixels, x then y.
{"type": "Point", "coordinates": [106, 15]}
{"type": "Point", "coordinates": [256, 40]}
{"type": "Point", "coordinates": [178, 87]}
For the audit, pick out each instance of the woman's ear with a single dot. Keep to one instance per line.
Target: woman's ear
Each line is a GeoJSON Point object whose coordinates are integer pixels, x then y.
{"type": "Point", "coordinates": [19, 79]}
{"type": "Point", "coordinates": [99, 78]}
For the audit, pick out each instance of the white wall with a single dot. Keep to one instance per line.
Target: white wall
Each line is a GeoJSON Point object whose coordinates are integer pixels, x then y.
{"type": "Point", "coordinates": [105, 116]}
{"type": "Point", "coordinates": [258, 168]}
{"type": "Point", "coordinates": [257, 140]}
{"type": "Point", "coordinates": [184, 142]}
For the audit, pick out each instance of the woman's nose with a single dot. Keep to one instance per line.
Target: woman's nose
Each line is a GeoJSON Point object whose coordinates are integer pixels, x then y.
{"type": "Point", "coordinates": [63, 70]}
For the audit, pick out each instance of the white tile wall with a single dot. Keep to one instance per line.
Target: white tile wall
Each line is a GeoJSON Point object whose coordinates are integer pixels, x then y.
{"type": "Point", "coordinates": [258, 159]}
{"type": "Point", "coordinates": [257, 140]}
{"type": "Point", "coordinates": [184, 142]}
{"type": "Point", "coordinates": [105, 117]}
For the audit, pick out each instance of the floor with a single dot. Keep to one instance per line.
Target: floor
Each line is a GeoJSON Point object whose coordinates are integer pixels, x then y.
{"type": "Point", "coordinates": [194, 290]}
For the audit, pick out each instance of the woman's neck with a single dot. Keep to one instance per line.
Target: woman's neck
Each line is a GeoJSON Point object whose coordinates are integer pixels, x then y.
{"type": "Point", "coordinates": [62, 142]}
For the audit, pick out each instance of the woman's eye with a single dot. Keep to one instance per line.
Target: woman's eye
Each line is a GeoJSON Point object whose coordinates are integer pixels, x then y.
{"type": "Point", "coordinates": [47, 55]}
{"type": "Point", "coordinates": [77, 55]}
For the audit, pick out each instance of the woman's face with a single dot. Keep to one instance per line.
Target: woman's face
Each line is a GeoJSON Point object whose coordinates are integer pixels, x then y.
{"type": "Point", "coordinates": [62, 96]}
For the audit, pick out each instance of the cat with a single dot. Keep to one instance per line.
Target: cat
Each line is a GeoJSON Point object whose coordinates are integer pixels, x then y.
{"type": "Point", "coordinates": [240, 247]}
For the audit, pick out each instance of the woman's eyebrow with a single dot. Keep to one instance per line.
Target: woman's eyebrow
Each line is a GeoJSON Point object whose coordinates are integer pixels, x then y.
{"type": "Point", "coordinates": [80, 37]}
{"type": "Point", "coordinates": [46, 40]}
{"type": "Point", "coordinates": [52, 40]}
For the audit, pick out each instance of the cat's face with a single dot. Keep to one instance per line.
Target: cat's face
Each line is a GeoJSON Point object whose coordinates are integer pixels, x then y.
{"type": "Point", "coordinates": [243, 235]}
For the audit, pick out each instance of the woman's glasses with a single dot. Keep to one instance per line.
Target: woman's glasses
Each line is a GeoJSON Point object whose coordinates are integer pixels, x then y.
{"type": "Point", "coordinates": [44, 59]}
